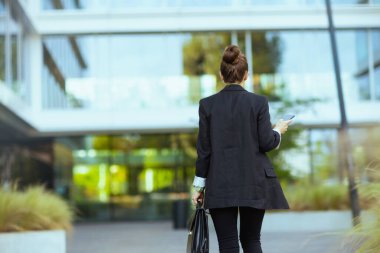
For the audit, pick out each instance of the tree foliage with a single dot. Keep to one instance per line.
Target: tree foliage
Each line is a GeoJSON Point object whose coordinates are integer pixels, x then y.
{"type": "Point", "coordinates": [202, 54]}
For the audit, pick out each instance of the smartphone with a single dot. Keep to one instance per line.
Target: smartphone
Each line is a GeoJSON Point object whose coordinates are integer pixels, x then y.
{"type": "Point", "coordinates": [288, 116]}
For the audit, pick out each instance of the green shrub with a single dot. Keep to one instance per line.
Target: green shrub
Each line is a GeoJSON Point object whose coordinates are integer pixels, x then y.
{"type": "Point", "coordinates": [33, 209]}
{"type": "Point", "coordinates": [317, 197]}
{"type": "Point", "coordinates": [303, 196]}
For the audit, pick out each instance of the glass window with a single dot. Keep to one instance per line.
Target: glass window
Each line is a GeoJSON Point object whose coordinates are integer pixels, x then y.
{"type": "Point", "coordinates": [126, 71]}
{"type": "Point", "coordinates": [364, 87]}
{"type": "Point", "coordinates": [2, 57]}
{"type": "Point", "coordinates": [14, 63]}
{"type": "Point", "coordinates": [362, 49]}
{"type": "Point", "coordinates": [10, 52]}
{"type": "Point", "coordinates": [353, 57]}
{"type": "Point", "coordinates": [376, 46]}
{"type": "Point", "coordinates": [63, 59]}
{"type": "Point", "coordinates": [201, 62]}
{"type": "Point", "coordinates": [376, 60]}
{"type": "Point", "coordinates": [2, 44]}
{"type": "Point", "coordinates": [2, 7]}
{"type": "Point", "coordinates": [293, 65]}
{"type": "Point", "coordinates": [134, 176]}
{"type": "Point", "coordinates": [377, 82]}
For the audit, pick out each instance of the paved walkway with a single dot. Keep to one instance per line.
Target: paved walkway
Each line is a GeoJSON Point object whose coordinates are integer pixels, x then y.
{"type": "Point", "coordinates": [159, 236]}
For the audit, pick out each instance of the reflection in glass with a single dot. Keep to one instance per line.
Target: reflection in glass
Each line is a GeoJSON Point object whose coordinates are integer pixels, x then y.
{"type": "Point", "coordinates": [354, 60]}
{"type": "Point", "coordinates": [14, 64]}
{"type": "Point", "coordinates": [63, 58]}
{"type": "Point", "coordinates": [376, 45]}
{"type": "Point", "coordinates": [377, 83]}
{"type": "Point", "coordinates": [376, 61]}
{"type": "Point", "coordinates": [201, 56]}
{"type": "Point", "coordinates": [126, 71]}
{"type": "Point", "coordinates": [125, 177]}
{"type": "Point", "coordinates": [2, 59]}
{"type": "Point", "coordinates": [364, 87]}
{"type": "Point", "coordinates": [362, 49]}
{"type": "Point", "coordinates": [292, 65]}
{"type": "Point", "coordinates": [10, 52]}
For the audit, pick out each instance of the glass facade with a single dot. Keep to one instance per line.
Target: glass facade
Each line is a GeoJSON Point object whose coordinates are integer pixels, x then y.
{"type": "Point", "coordinates": [181, 68]}
{"type": "Point", "coordinates": [2, 44]}
{"type": "Point", "coordinates": [354, 60]}
{"type": "Point", "coordinates": [299, 65]}
{"type": "Point", "coordinates": [293, 65]}
{"type": "Point", "coordinates": [134, 176]}
{"type": "Point", "coordinates": [376, 61]}
{"type": "Point", "coordinates": [377, 82]}
{"type": "Point", "coordinates": [11, 53]}
{"type": "Point", "coordinates": [137, 176]}
{"type": "Point", "coordinates": [166, 75]}
{"type": "Point", "coordinates": [62, 59]}
{"type": "Point", "coordinates": [359, 56]}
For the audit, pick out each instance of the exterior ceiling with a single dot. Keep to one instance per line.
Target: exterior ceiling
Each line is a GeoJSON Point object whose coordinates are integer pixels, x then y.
{"type": "Point", "coordinates": [12, 127]}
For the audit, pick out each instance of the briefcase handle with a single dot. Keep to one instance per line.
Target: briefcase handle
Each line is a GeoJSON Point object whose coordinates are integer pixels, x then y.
{"type": "Point", "coordinates": [199, 206]}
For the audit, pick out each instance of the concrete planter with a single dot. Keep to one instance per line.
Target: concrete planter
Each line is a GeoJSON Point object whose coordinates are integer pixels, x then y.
{"type": "Point", "coordinates": [52, 241]}
{"type": "Point", "coordinates": [310, 221]}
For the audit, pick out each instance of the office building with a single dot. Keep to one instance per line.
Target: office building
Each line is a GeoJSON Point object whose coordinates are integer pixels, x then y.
{"type": "Point", "coordinates": [99, 99]}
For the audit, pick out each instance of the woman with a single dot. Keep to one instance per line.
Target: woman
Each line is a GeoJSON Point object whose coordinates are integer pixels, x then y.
{"type": "Point", "coordinates": [233, 173]}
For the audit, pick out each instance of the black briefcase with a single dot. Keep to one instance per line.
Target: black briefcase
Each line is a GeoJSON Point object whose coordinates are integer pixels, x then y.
{"type": "Point", "coordinates": [198, 236]}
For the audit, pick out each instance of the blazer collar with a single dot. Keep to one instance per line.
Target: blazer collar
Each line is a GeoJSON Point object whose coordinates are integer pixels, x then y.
{"type": "Point", "coordinates": [233, 87]}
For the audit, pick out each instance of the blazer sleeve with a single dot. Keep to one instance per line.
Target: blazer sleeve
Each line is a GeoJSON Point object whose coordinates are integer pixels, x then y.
{"type": "Point", "coordinates": [268, 138]}
{"type": "Point", "coordinates": [203, 143]}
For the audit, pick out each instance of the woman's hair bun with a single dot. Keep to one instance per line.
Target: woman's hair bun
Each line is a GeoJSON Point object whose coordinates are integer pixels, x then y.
{"type": "Point", "coordinates": [231, 53]}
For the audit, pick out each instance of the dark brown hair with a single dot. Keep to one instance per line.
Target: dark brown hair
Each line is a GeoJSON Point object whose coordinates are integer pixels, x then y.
{"type": "Point", "coordinates": [234, 65]}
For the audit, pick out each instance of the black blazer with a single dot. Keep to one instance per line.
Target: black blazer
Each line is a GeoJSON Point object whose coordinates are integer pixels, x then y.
{"type": "Point", "coordinates": [235, 132]}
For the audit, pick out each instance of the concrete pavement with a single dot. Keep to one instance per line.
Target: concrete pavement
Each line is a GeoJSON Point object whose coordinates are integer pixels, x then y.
{"type": "Point", "coordinates": [159, 236]}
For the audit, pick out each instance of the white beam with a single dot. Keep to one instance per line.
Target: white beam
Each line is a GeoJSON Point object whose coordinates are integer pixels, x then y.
{"type": "Point", "coordinates": [188, 20]}
{"type": "Point", "coordinates": [63, 122]}
{"type": "Point", "coordinates": [85, 121]}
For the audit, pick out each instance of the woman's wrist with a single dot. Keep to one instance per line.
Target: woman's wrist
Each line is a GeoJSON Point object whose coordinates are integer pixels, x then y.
{"type": "Point", "coordinates": [198, 188]}
{"type": "Point", "coordinates": [277, 130]}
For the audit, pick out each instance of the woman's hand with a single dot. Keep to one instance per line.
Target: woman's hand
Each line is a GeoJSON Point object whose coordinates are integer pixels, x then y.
{"type": "Point", "coordinates": [197, 196]}
{"type": "Point", "coordinates": [282, 125]}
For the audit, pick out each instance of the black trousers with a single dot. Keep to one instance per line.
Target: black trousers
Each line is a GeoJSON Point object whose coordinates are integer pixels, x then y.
{"type": "Point", "coordinates": [225, 223]}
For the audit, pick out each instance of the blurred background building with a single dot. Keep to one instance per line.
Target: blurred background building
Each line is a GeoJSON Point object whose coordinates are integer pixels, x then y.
{"type": "Point", "coordinates": [99, 98]}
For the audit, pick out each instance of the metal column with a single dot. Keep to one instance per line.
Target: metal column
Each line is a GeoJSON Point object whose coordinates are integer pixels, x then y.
{"type": "Point", "coordinates": [343, 129]}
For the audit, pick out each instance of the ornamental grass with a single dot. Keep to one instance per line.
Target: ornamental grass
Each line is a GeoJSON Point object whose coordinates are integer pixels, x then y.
{"type": "Point", "coordinates": [365, 236]}
{"type": "Point", "coordinates": [34, 208]}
